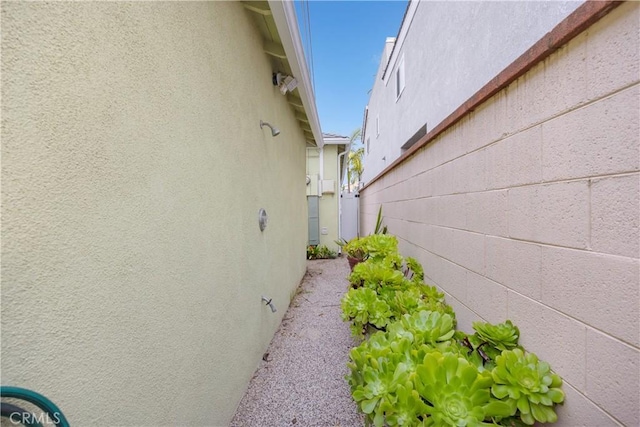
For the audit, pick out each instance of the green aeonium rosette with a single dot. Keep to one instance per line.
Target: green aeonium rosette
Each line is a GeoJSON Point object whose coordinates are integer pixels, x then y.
{"type": "Point", "coordinates": [527, 383]}
{"type": "Point", "coordinates": [456, 393]}
{"type": "Point", "coordinates": [503, 336]}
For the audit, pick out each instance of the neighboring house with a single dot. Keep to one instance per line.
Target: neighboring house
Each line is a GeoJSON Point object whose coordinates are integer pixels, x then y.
{"type": "Point", "coordinates": [444, 52]}
{"type": "Point", "coordinates": [134, 167]}
{"type": "Point", "coordinates": [521, 201]}
{"type": "Point", "coordinates": [326, 169]}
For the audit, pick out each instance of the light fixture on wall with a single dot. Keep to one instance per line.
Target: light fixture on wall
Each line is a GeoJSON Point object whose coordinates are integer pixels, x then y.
{"type": "Point", "coordinates": [284, 82]}
{"type": "Point", "coordinates": [274, 130]}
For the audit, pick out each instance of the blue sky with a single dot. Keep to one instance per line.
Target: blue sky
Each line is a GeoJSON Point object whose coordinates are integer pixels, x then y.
{"type": "Point", "coordinates": [347, 38]}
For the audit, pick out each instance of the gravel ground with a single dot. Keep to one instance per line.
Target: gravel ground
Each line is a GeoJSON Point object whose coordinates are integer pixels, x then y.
{"type": "Point", "coordinates": [302, 383]}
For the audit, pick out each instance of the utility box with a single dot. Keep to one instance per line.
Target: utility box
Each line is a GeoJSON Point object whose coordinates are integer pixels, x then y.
{"type": "Point", "coordinates": [328, 186]}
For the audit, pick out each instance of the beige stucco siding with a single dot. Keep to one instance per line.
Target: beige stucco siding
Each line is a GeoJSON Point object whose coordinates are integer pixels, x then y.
{"type": "Point", "coordinates": [329, 201]}
{"type": "Point", "coordinates": [527, 209]}
{"type": "Point", "coordinates": [133, 169]}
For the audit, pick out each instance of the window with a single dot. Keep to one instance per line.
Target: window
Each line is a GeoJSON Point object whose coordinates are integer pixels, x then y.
{"type": "Point", "coordinates": [368, 141]}
{"type": "Point", "coordinates": [377, 125]}
{"type": "Point", "coordinates": [400, 78]}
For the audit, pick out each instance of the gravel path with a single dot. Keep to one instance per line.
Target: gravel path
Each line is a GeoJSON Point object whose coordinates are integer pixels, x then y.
{"type": "Point", "coordinates": [302, 381]}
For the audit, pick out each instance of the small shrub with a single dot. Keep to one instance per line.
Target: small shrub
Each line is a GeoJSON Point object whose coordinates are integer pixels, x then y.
{"type": "Point", "coordinates": [320, 252]}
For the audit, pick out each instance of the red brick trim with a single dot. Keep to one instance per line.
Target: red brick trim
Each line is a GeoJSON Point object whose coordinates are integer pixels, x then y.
{"type": "Point", "coordinates": [582, 18]}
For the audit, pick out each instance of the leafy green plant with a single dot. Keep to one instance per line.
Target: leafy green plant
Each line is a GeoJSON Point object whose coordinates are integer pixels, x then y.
{"type": "Point", "coordinates": [404, 408]}
{"type": "Point", "coordinates": [320, 252]}
{"type": "Point", "coordinates": [413, 270]}
{"type": "Point", "coordinates": [457, 393]}
{"type": "Point", "coordinates": [491, 340]}
{"type": "Point", "coordinates": [380, 228]}
{"type": "Point", "coordinates": [417, 370]}
{"type": "Point", "coordinates": [380, 246]}
{"type": "Point", "coordinates": [356, 248]}
{"type": "Point", "coordinates": [375, 275]}
{"type": "Point", "coordinates": [363, 307]}
{"type": "Point", "coordinates": [503, 336]}
{"type": "Point", "coordinates": [428, 327]}
{"type": "Point", "coordinates": [528, 384]}
{"type": "Point", "coordinates": [379, 387]}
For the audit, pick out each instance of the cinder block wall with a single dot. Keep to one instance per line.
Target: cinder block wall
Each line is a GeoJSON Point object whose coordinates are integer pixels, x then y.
{"type": "Point", "coordinates": [527, 209]}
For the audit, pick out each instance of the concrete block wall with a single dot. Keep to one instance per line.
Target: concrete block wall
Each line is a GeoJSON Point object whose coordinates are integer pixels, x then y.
{"type": "Point", "coordinates": [528, 209]}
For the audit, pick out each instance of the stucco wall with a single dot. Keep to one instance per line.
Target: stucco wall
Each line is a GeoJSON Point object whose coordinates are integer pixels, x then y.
{"type": "Point", "coordinates": [329, 202]}
{"type": "Point", "coordinates": [528, 209]}
{"type": "Point", "coordinates": [133, 169]}
{"type": "Point", "coordinates": [451, 50]}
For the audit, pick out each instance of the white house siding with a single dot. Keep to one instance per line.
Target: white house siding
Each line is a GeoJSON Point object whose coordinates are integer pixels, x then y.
{"type": "Point", "coordinates": [133, 170]}
{"type": "Point", "coordinates": [450, 50]}
{"type": "Point", "coordinates": [528, 209]}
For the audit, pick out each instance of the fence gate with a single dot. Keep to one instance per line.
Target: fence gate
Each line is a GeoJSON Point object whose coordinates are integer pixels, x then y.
{"type": "Point", "coordinates": [349, 215]}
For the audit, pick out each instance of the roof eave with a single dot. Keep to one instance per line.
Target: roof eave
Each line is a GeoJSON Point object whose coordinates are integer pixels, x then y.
{"type": "Point", "coordinates": [284, 15]}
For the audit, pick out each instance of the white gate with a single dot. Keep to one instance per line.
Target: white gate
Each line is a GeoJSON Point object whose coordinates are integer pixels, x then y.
{"type": "Point", "coordinates": [349, 215]}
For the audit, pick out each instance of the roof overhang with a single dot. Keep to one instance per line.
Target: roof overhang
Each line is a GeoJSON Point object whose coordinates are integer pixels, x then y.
{"type": "Point", "coordinates": [284, 16]}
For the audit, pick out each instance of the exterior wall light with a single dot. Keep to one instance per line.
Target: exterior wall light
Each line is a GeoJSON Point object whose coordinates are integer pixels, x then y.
{"type": "Point", "coordinates": [285, 83]}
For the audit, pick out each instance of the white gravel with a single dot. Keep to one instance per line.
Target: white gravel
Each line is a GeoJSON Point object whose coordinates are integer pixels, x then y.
{"type": "Point", "coordinates": [302, 383]}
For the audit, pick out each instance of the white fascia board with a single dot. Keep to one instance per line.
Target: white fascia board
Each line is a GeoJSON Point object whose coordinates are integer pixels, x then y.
{"type": "Point", "coordinates": [336, 141]}
{"type": "Point", "coordinates": [284, 15]}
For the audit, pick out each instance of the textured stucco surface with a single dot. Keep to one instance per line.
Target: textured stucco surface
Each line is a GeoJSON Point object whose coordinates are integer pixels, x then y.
{"type": "Point", "coordinates": [329, 202]}
{"type": "Point", "coordinates": [450, 51]}
{"type": "Point", "coordinates": [133, 169]}
{"type": "Point", "coordinates": [527, 209]}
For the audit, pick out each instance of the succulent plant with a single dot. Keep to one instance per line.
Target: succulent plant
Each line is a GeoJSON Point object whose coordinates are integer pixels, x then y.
{"type": "Point", "coordinates": [457, 394]}
{"type": "Point", "coordinates": [381, 380]}
{"type": "Point", "coordinates": [376, 347]}
{"type": "Point", "coordinates": [503, 336]}
{"type": "Point", "coordinates": [414, 270]}
{"type": "Point", "coordinates": [406, 301]}
{"type": "Point", "coordinates": [362, 306]}
{"type": "Point", "coordinates": [418, 370]}
{"type": "Point", "coordinates": [356, 248]}
{"type": "Point", "coordinates": [379, 246]}
{"type": "Point", "coordinates": [375, 275]}
{"type": "Point", "coordinates": [404, 407]}
{"type": "Point", "coordinates": [528, 384]}
{"type": "Point", "coordinates": [428, 327]}
{"type": "Point", "coordinates": [431, 293]}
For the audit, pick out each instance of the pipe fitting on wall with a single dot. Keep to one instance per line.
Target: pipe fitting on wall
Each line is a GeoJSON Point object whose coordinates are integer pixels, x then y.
{"type": "Point", "coordinates": [267, 301]}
